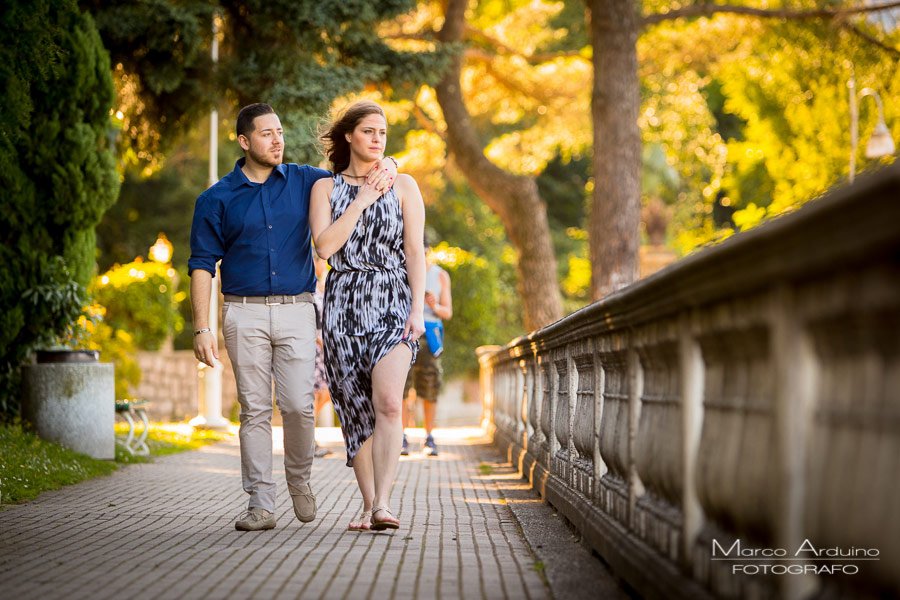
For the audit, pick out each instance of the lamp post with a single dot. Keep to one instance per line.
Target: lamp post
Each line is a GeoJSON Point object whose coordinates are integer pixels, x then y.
{"type": "Point", "coordinates": [880, 143]}
{"type": "Point", "coordinates": [210, 387]}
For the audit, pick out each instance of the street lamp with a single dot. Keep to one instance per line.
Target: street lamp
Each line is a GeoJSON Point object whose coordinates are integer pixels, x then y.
{"type": "Point", "coordinates": [881, 143]}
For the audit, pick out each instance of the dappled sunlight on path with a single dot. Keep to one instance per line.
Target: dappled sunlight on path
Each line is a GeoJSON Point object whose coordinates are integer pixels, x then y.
{"type": "Point", "coordinates": [165, 529]}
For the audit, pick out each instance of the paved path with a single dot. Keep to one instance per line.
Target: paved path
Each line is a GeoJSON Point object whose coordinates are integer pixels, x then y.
{"type": "Point", "coordinates": [165, 530]}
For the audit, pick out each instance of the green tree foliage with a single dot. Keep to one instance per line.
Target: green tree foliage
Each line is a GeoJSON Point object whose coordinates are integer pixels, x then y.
{"type": "Point", "coordinates": [140, 298]}
{"type": "Point", "coordinates": [741, 118]}
{"type": "Point", "coordinates": [564, 185]}
{"type": "Point", "coordinates": [56, 171]}
{"type": "Point", "coordinates": [133, 223]}
{"type": "Point", "coordinates": [754, 115]}
{"type": "Point", "coordinates": [297, 56]}
{"type": "Point", "coordinates": [476, 304]}
{"type": "Point", "coordinates": [797, 138]}
{"type": "Point", "coordinates": [116, 346]}
{"type": "Point", "coordinates": [463, 223]}
{"type": "Point", "coordinates": [162, 66]}
{"type": "Point", "coordinates": [160, 54]}
{"type": "Point", "coordinates": [137, 308]}
{"type": "Point", "coordinates": [481, 263]}
{"type": "Point", "coordinates": [475, 252]}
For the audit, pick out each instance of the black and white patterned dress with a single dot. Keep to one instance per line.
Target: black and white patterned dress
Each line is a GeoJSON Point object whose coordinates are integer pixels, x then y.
{"type": "Point", "coordinates": [367, 303]}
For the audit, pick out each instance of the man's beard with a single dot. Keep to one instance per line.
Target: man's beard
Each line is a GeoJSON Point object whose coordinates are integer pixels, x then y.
{"type": "Point", "coordinates": [264, 158]}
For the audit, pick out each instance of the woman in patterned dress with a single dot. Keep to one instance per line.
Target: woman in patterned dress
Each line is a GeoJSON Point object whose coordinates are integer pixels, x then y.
{"type": "Point", "coordinates": [374, 300]}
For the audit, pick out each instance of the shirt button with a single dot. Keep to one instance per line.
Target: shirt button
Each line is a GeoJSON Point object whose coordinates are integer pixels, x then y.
{"type": "Point", "coordinates": [270, 227]}
{"type": "Point", "coordinates": [273, 272]}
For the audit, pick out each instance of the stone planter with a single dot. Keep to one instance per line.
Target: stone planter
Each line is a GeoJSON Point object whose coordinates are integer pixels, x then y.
{"type": "Point", "coordinates": [68, 356]}
{"type": "Point", "coordinates": [71, 401]}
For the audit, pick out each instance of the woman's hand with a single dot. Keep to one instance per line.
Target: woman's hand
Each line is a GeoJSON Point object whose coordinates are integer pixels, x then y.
{"type": "Point", "coordinates": [367, 196]}
{"type": "Point", "coordinates": [415, 326]}
{"type": "Point", "coordinates": [430, 300]}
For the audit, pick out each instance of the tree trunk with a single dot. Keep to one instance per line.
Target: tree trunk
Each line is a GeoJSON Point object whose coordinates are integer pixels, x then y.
{"type": "Point", "coordinates": [614, 226]}
{"type": "Point", "coordinates": [514, 198]}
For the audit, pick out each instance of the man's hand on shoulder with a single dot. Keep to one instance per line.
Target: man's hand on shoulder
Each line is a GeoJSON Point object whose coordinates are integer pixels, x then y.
{"type": "Point", "coordinates": [383, 174]}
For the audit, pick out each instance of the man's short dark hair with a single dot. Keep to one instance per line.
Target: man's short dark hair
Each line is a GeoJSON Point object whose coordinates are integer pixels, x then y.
{"type": "Point", "coordinates": [245, 118]}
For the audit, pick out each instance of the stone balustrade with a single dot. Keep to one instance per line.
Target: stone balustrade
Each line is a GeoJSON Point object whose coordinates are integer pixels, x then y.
{"type": "Point", "coordinates": [749, 394]}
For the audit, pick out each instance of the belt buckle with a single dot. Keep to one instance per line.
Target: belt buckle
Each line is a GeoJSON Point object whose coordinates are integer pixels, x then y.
{"type": "Point", "coordinates": [272, 303]}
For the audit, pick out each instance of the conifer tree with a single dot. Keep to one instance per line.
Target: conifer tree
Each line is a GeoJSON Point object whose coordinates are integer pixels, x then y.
{"type": "Point", "coordinates": [56, 171]}
{"type": "Point", "coordinates": [296, 56]}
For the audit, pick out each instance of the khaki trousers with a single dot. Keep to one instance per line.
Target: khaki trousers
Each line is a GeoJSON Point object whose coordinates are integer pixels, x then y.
{"type": "Point", "coordinates": [273, 343]}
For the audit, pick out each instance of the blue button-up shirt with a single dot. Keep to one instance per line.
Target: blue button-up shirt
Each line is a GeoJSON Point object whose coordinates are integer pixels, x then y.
{"type": "Point", "coordinates": [260, 231]}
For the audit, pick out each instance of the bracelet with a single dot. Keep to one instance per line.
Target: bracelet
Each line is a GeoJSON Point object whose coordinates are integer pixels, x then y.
{"type": "Point", "coordinates": [199, 331]}
{"type": "Point", "coordinates": [396, 164]}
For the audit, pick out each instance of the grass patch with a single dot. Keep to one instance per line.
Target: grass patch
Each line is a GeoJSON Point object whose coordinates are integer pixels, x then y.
{"type": "Point", "coordinates": [485, 469]}
{"type": "Point", "coordinates": [30, 465]}
{"type": "Point", "coordinates": [168, 438]}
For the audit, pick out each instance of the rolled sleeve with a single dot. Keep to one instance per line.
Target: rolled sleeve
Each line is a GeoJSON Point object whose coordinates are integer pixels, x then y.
{"type": "Point", "coordinates": [207, 241]}
{"type": "Point", "coordinates": [316, 173]}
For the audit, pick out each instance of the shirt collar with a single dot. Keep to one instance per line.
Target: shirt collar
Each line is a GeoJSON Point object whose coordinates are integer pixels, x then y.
{"type": "Point", "coordinates": [239, 179]}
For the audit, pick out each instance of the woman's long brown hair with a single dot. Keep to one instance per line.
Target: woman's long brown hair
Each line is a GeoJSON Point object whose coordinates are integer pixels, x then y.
{"type": "Point", "coordinates": [337, 148]}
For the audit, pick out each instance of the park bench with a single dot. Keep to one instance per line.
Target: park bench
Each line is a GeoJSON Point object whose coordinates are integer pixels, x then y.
{"type": "Point", "coordinates": [131, 411]}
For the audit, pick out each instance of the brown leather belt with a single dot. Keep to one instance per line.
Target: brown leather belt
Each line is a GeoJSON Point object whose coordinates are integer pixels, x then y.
{"type": "Point", "coordinates": [270, 300]}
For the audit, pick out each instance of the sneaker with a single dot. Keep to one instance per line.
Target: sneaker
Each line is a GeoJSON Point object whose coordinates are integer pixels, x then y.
{"type": "Point", "coordinates": [404, 450]}
{"type": "Point", "coordinates": [304, 502]}
{"type": "Point", "coordinates": [255, 519]}
{"type": "Point", "coordinates": [321, 451]}
{"type": "Point", "coordinates": [430, 449]}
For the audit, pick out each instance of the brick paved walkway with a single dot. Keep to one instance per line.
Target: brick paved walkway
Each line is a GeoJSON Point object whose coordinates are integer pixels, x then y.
{"type": "Point", "coordinates": [165, 530]}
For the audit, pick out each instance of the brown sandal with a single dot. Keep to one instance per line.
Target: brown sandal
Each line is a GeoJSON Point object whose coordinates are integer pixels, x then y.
{"type": "Point", "coordinates": [364, 523]}
{"type": "Point", "coordinates": [382, 524]}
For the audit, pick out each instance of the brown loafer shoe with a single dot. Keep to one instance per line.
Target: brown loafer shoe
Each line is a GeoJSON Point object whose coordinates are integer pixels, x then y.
{"type": "Point", "coordinates": [255, 519]}
{"type": "Point", "coordinates": [304, 502]}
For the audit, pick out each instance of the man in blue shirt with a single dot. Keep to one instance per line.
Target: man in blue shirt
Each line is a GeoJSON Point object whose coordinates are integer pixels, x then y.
{"type": "Point", "coordinates": [255, 220]}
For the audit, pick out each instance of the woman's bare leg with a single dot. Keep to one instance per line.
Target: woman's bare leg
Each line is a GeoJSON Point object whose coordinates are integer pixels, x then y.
{"type": "Point", "coordinates": [365, 478]}
{"type": "Point", "coordinates": [388, 378]}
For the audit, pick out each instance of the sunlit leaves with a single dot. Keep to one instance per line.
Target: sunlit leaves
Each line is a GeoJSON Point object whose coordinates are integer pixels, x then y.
{"type": "Point", "coordinates": [786, 82]}
{"type": "Point", "coordinates": [424, 159]}
{"type": "Point", "coordinates": [527, 110]}
{"type": "Point", "coordinates": [793, 94]}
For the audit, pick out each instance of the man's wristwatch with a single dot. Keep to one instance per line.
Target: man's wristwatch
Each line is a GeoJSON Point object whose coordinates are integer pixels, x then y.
{"type": "Point", "coordinates": [199, 331]}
